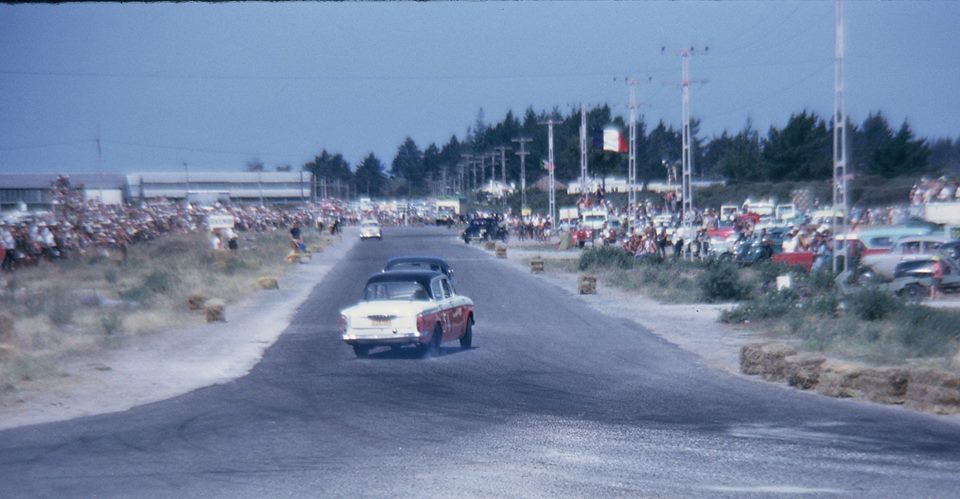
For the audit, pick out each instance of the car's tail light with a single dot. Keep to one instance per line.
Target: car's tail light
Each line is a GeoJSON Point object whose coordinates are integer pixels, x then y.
{"type": "Point", "coordinates": [343, 322]}
{"type": "Point", "coordinates": [421, 322]}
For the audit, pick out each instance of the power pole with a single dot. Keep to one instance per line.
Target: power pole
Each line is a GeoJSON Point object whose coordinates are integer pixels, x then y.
{"type": "Point", "coordinates": [523, 153]}
{"type": "Point", "coordinates": [687, 158]}
{"type": "Point", "coordinates": [550, 167]}
{"type": "Point", "coordinates": [100, 163]}
{"type": "Point", "coordinates": [688, 205]}
{"type": "Point", "coordinates": [632, 158]}
{"type": "Point", "coordinates": [583, 150]}
{"type": "Point", "coordinates": [503, 163]}
{"type": "Point", "coordinates": [473, 172]}
{"type": "Point", "coordinates": [840, 174]}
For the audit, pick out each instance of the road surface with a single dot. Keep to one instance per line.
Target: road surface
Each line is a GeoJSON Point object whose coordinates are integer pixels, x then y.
{"type": "Point", "coordinates": [554, 399]}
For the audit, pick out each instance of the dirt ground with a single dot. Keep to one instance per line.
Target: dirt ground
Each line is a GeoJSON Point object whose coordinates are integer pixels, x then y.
{"type": "Point", "coordinates": [169, 363]}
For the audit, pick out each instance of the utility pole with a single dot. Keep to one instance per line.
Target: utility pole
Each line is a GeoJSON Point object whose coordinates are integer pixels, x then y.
{"type": "Point", "coordinates": [523, 153]}
{"type": "Point", "coordinates": [503, 163]}
{"type": "Point", "coordinates": [100, 163]}
{"type": "Point", "coordinates": [840, 174]}
{"type": "Point", "coordinates": [186, 193]}
{"type": "Point", "coordinates": [473, 172]}
{"type": "Point", "coordinates": [688, 205]}
{"type": "Point", "coordinates": [550, 167]}
{"type": "Point", "coordinates": [583, 150]}
{"type": "Point", "coordinates": [503, 176]}
{"type": "Point", "coordinates": [632, 158]}
{"type": "Point", "coordinates": [687, 158]}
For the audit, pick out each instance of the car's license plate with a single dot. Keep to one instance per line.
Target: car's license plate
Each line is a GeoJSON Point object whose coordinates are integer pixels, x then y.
{"type": "Point", "coordinates": [381, 322]}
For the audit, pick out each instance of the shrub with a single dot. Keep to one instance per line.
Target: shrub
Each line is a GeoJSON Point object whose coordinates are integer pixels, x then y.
{"type": "Point", "coordinates": [775, 304]}
{"type": "Point", "coordinates": [606, 256]}
{"type": "Point", "coordinates": [872, 304]}
{"type": "Point", "coordinates": [721, 282]}
{"type": "Point", "coordinates": [111, 322]}
{"type": "Point", "coordinates": [156, 282]}
{"type": "Point", "coordinates": [927, 331]}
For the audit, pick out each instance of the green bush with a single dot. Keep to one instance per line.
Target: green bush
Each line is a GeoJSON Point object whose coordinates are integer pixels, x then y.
{"type": "Point", "coordinates": [156, 282]}
{"type": "Point", "coordinates": [605, 257]}
{"type": "Point", "coordinates": [721, 282]}
{"type": "Point", "coordinates": [768, 305]}
{"type": "Point", "coordinates": [873, 304]}
{"type": "Point", "coordinates": [927, 331]}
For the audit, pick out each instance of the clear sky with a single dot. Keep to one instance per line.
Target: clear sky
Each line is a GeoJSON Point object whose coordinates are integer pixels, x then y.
{"type": "Point", "coordinates": [215, 85]}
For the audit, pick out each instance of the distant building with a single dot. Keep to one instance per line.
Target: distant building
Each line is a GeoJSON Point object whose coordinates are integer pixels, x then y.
{"type": "Point", "coordinates": [33, 190]}
{"type": "Point", "coordinates": [209, 187]}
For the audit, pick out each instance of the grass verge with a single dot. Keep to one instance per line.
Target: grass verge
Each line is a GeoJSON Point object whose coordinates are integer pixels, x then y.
{"type": "Point", "coordinates": [91, 302]}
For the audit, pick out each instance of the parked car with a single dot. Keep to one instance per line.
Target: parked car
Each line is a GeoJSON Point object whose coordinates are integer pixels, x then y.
{"type": "Point", "coordinates": [370, 229]}
{"type": "Point", "coordinates": [905, 249]}
{"type": "Point", "coordinates": [912, 279]}
{"type": "Point", "coordinates": [484, 229]}
{"type": "Point", "coordinates": [400, 308]}
{"type": "Point", "coordinates": [433, 263]}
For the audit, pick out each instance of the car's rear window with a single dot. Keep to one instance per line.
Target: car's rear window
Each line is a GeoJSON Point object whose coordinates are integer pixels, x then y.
{"type": "Point", "coordinates": [395, 290]}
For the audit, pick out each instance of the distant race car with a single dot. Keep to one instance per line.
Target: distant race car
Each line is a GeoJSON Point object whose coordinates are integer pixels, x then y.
{"type": "Point", "coordinates": [416, 308]}
{"type": "Point", "coordinates": [370, 229]}
{"type": "Point", "coordinates": [434, 263]}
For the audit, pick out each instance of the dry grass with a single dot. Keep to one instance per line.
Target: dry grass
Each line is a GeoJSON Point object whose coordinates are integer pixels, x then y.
{"type": "Point", "coordinates": [89, 303]}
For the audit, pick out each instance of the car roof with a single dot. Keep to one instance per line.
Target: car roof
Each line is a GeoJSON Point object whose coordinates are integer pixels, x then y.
{"type": "Point", "coordinates": [423, 277]}
{"type": "Point", "coordinates": [429, 260]}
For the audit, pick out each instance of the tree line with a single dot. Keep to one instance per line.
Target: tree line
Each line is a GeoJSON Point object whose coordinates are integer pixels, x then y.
{"type": "Point", "coordinates": [801, 150]}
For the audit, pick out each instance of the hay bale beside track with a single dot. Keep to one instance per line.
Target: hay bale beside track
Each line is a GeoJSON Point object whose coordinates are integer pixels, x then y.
{"type": "Point", "coordinates": [215, 311]}
{"type": "Point", "coordinates": [766, 359]}
{"type": "Point", "coordinates": [268, 283]}
{"type": "Point", "coordinates": [934, 390]}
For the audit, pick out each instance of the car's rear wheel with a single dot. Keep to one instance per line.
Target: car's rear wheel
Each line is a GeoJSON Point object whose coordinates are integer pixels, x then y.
{"type": "Point", "coordinates": [361, 350]}
{"type": "Point", "coordinates": [914, 292]}
{"type": "Point", "coordinates": [433, 347]}
{"type": "Point", "coordinates": [466, 341]}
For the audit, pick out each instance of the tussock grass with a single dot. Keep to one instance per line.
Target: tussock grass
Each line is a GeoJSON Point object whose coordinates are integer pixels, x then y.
{"type": "Point", "coordinates": [90, 302]}
{"type": "Point", "coordinates": [871, 325]}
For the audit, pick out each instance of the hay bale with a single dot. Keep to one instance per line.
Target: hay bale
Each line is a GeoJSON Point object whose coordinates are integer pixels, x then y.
{"type": "Point", "coordinates": [501, 251]}
{"type": "Point", "coordinates": [878, 384]}
{"type": "Point", "coordinates": [6, 328]}
{"type": "Point", "coordinates": [587, 284]}
{"type": "Point", "coordinates": [766, 359]}
{"type": "Point", "coordinates": [268, 283]}
{"type": "Point", "coordinates": [934, 390]}
{"type": "Point", "coordinates": [215, 311]}
{"type": "Point", "coordinates": [196, 301]}
{"type": "Point", "coordinates": [803, 370]}
{"type": "Point", "coordinates": [489, 245]}
{"type": "Point", "coordinates": [536, 265]}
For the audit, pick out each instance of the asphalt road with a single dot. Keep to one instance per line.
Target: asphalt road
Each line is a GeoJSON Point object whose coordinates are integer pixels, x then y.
{"type": "Point", "coordinates": [553, 400]}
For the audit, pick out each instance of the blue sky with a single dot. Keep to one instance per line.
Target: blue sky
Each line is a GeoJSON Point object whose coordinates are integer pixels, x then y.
{"type": "Point", "coordinates": [215, 85]}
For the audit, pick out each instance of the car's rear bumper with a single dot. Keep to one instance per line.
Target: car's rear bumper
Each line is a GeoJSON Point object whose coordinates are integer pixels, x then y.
{"type": "Point", "coordinates": [387, 338]}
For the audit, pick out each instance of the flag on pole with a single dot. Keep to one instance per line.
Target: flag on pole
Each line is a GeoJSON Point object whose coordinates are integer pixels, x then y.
{"type": "Point", "coordinates": [548, 165]}
{"type": "Point", "coordinates": [613, 140]}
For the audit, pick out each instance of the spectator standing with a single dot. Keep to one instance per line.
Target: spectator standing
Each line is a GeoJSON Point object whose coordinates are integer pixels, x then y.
{"type": "Point", "coordinates": [937, 278]}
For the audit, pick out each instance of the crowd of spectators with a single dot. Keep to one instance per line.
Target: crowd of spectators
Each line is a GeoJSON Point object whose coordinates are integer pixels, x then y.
{"type": "Point", "coordinates": [78, 227]}
{"type": "Point", "coordinates": [929, 190]}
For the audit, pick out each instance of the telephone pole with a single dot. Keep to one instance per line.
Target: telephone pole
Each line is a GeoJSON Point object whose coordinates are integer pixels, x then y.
{"type": "Point", "coordinates": [583, 150]}
{"type": "Point", "coordinates": [469, 161]}
{"type": "Point", "coordinates": [523, 153]}
{"type": "Point", "coordinates": [550, 167]}
{"type": "Point", "coordinates": [840, 174]}
{"type": "Point", "coordinates": [503, 163]}
{"type": "Point", "coordinates": [687, 158]}
{"type": "Point", "coordinates": [632, 158]}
